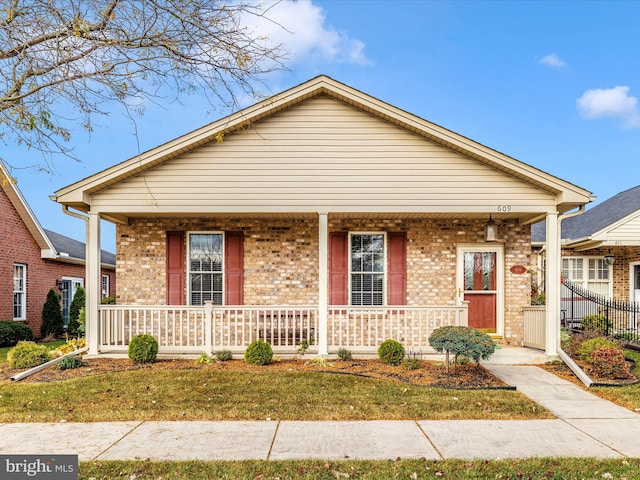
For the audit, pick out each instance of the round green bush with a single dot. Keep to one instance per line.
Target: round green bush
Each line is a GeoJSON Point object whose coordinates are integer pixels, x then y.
{"type": "Point", "coordinates": [391, 351]}
{"type": "Point", "coordinates": [70, 362]}
{"type": "Point", "coordinates": [143, 349]}
{"type": "Point", "coordinates": [258, 352]}
{"type": "Point", "coordinates": [27, 355]}
{"type": "Point", "coordinates": [13, 332]}
{"type": "Point", "coordinates": [224, 355]}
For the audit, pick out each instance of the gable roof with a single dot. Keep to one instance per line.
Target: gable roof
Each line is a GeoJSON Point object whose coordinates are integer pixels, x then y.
{"type": "Point", "coordinates": [53, 246]}
{"type": "Point", "coordinates": [590, 228]}
{"type": "Point", "coordinates": [78, 195]}
{"type": "Point", "coordinates": [72, 250]}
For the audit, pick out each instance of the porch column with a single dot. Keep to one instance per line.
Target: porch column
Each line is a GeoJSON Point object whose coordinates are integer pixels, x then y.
{"type": "Point", "coordinates": [552, 285]}
{"type": "Point", "coordinates": [323, 282]}
{"type": "Point", "coordinates": [93, 282]}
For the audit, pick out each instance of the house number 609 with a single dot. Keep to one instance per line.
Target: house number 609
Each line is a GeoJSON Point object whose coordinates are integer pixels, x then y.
{"type": "Point", "coordinates": [504, 208]}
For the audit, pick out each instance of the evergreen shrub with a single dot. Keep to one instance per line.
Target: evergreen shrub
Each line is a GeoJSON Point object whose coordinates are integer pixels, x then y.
{"type": "Point", "coordinates": [143, 348]}
{"type": "Point", "coordinates": [258, 352]}
{"type": "Point", "coordinates": [462, 341]}
{"type": "Point", "coordinates": [52, 321]}
{"type": "Point", "coordinates": [13, 332]}
{"type": "Point", "coordinates": [391, 352]}
{"type": "Point", "coordinates": [27, 355]}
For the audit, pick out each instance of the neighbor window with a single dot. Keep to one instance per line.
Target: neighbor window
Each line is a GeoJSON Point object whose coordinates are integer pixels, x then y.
{"type": "Point", "coordinates": [588, 272]}
{"type": "Point", "coordinates": [367, 268]}
{"type": "Point", "coordinates": [205, 268]}
{"type": "Point", "coordinates": [19, 291]}
{"type": "Point", "coordinates": [105, 286]}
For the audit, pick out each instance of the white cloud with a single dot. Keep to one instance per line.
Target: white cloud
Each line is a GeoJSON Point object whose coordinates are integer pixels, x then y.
{"type": "Point", "coordinates": [552, 60]}
{"type": "Point", "coordinates": [300, 27]}
{"type": "Point", "coordinates": [610, 103]}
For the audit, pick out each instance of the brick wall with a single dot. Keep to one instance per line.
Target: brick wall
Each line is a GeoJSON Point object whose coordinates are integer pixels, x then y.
{"type": "Point", "coordinates": [280, 259]}
{"type": "Point", "coordinates": [18, 246]}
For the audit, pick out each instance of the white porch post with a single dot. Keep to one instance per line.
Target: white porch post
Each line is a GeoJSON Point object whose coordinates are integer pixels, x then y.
{"type": "Point", "coordinates": [552, 285]}
{"type": "Point", "coordinates": [93, 282]}
{"type": "Point", "coordinates": [323, 281]}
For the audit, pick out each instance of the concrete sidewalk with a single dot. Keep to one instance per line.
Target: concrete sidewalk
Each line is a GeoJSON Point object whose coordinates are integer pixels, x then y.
{"type": "Point", "coordinates": [587, 426]}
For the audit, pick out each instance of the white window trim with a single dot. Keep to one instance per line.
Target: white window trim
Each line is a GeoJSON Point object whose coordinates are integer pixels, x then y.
{"type": "Point", "coordinates": [385, 272]}
{"type": "Point", "coordinates": [23, 306]}
{"type": "Point", "coordinates": [188, 260]}
{"type": "Point", "coordinates": [584, 282]}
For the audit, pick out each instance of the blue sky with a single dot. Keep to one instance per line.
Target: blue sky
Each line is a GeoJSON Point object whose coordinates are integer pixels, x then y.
{"type": "Point", "coordinates": [553, 84]}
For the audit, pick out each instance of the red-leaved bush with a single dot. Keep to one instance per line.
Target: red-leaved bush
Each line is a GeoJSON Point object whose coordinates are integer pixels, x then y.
{"type": "Point", "coordinates": [609, 362]}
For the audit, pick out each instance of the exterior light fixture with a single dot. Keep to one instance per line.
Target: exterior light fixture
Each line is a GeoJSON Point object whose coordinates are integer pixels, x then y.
{"type": "Point", "coordinates": [609, 259]}
{"type": "Point", "coordinates": [491, 231]}
{"type": "Point", "coordinates": [60, 285]}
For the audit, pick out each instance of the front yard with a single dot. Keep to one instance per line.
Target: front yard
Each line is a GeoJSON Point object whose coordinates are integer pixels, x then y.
{"type": "Point", "coordinates": [185, 390]}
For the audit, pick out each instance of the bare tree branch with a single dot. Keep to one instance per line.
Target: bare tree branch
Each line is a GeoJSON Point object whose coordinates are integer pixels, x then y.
{"type": "Point", "coordinates": [92, 54]}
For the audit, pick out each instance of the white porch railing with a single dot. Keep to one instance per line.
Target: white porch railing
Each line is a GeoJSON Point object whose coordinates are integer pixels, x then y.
{"type": "Point", "coordinates": [194, 330]}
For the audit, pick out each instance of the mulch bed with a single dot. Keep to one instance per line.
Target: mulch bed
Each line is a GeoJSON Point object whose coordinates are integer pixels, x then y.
{"type": "Point", "coordinates": [430, 373]}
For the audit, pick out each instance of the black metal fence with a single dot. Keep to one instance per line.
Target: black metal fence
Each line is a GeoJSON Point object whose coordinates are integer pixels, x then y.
{"type": "Point", "coordinates": [615, 317]}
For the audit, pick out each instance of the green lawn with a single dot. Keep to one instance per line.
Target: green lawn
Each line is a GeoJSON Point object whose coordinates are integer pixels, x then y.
{"type": "Point", "coordinates": [538, 469]}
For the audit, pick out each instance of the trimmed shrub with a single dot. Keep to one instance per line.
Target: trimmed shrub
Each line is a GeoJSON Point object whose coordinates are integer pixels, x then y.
{"type": "Point", "coordinates": [143, 348]}
{"type": "Point", "coordinates": [595, 322]}
{"type": "Point", "coordinates": [609, 362]}
{"type": "Point", "coordinates": [13, 332]}
{"type": "Point", "coordinates": [52, 321]}
{"type": "Point", "coordinates": [27, 355]}
{"type": "Point", "coordinates": [587, 347]}
{"type": "Point", "coordinates": [462, 341]}
{"type": "Point", "coordinates": [69, 363]}
{"type": "Point", "coordinates": [344, 354]}
{"type": "Point", "coordinates": [391, 351]}
{"type": "Point", "coordinates": [258, 352]}
{"type": "Point", "coordinates": [77, 304]}
{"type": "Point", "coordinates": [223, 355]}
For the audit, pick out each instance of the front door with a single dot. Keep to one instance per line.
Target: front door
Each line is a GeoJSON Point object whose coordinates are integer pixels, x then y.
{"type": "Point", "coordinates": [480, 284]}
{"type": "Point", "coordinates": [636, 283]}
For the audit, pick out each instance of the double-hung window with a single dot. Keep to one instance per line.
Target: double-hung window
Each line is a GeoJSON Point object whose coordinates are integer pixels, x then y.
{"type": "Point", "coordinates": [105, 286]}
{"type": "Point", "coordinates": [588, 272]}
{"type": "Point", "coordinates": [367, 269]}
{"type": "Point", "coordinates": [19, 291]}
{"type": "Point", "coordinates": [205, 268]}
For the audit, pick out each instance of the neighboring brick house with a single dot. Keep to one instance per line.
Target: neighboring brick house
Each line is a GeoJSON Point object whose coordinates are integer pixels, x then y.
{"type": "Point", "coordinates": [34, 260]}
{"type": "Point", "coordinates": [320, 214]}
{"type": "Point", "coordinates": [601, 247]}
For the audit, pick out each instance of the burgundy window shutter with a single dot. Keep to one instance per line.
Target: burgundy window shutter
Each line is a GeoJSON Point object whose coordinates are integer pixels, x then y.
{"type": "Point", "coordinates": [338, 268]}
{"type": "Point", "coordinates": [234, 268]}
{"type": "Point", "coordinates": [397, 268]}
{"type": "Point", "coordinates": [175, 268]}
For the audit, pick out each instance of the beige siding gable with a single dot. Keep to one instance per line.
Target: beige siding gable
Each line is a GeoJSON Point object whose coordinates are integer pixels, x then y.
{"type": "Point", "coordinates": [322, 154]}
{"type": "Point", "coordinates": [623, 232]}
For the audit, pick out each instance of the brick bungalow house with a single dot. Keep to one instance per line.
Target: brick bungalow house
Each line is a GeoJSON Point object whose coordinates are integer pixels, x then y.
{"type": "Point", "coordinates": [34, 260]}
{"type": "Point", "coordinates": [319, 214]}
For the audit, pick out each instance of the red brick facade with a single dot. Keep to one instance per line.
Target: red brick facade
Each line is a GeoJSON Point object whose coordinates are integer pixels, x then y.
{"type": "Point", "coordinates": [19, 247]}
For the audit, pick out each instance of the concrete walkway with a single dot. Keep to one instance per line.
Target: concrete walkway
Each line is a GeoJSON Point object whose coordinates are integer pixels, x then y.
{"type": "Point", "coordinates": [587, 426]}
